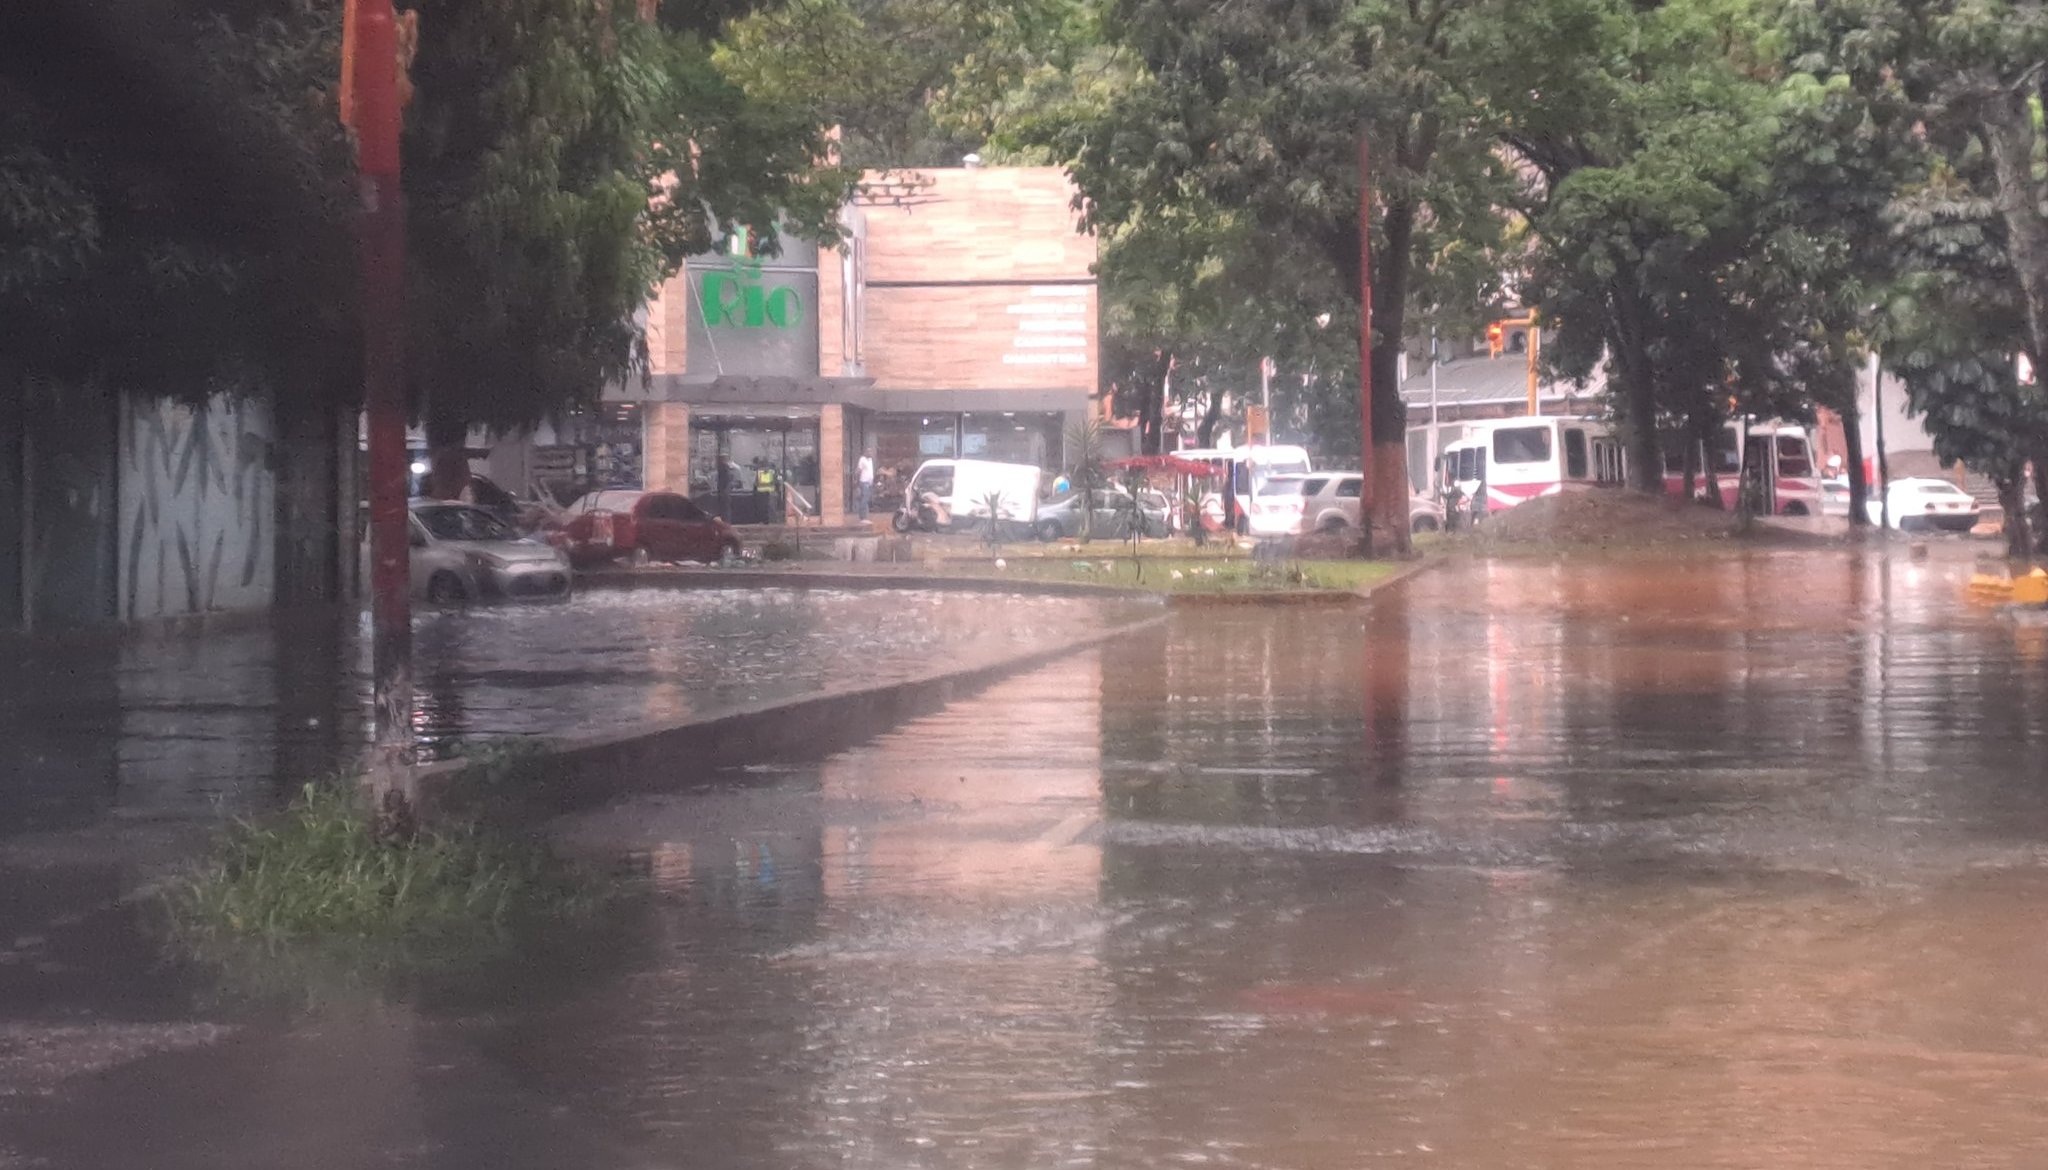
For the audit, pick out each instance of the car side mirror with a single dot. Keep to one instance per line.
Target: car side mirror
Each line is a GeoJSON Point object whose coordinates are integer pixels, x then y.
{"type": "Point", "coordinates": [418, 541]}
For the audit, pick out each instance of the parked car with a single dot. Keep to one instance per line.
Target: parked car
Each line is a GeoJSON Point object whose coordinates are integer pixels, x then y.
{"type": "Point", "coordinates": [611, 523]}
{"type": "Point", "coordinates": [1329, 503]}
{"type": "Point", "coordinates": [462, 553]}
{"type": "Point", "coordinates": [1060, 517]}
{"type": "Point", "coordinates": [1834, 496]}
{"type": "Point", "coordinates": [1922, 502]}
{"type": "Point", "coordinates": [1425, 514]}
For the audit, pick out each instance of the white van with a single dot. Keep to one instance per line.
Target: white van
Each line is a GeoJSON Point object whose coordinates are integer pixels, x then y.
{"type": "Point", "coordinates": [962, 489]}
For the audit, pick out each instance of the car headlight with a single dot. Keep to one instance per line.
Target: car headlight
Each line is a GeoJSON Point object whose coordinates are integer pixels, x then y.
{"type": "Point", "coordinates": [488, 560]}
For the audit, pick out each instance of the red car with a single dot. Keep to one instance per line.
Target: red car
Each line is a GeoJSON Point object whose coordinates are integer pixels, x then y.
{"type": "Point", "coordinates": [646, 526]}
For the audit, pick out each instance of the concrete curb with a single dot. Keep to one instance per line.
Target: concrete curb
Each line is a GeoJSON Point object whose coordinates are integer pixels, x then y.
{"type": "Point", "coordinates": [804, 579]}
{"type": "Point", "coordinates": [581, 771]}
{"type": "Point", "coordinates": [760, 578]}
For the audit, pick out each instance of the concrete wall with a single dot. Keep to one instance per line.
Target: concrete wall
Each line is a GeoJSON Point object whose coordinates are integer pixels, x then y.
{"type": "Point", "coordinates": [667, 430]}
{"type": "Point", "coordinates": [197, 508]}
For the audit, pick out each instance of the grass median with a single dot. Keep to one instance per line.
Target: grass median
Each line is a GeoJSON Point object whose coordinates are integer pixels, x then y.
{"type": "Point", "coordinates": [1178, 573]}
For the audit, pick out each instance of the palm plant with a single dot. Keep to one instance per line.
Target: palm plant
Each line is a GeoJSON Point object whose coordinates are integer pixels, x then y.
{"type": "Point", "coordinates": [992, 532]}
{"type": "Point", "coordinates": [1084, 469]}
{"type": "Point", "coordinates": [1130, 506]}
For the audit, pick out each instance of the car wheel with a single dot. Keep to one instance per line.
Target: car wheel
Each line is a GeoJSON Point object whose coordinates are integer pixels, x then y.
{"type": "Point", "coordinates": [1795, 510]}
{"type": "Point", "coordinates": [1424, 524]}
{"type": "Point", "coordinates": [900, 522]}
{"type": "Point", "coordinates": [445, 588]}
{"type": "Point", "coordinates": [641, 558]}
{"type": "Point", "coordinates": [730, 551]}
{"type": "Point", "coordinates": [1333, 525]}
{"type": "Point", "coordinates": [1049, 531]}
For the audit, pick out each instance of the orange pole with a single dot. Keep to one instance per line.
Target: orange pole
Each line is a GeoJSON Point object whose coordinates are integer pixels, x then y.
{"type": "Point", "coordinates": [377, 119]}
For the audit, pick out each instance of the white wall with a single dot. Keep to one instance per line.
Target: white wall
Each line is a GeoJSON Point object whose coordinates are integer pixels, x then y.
{"type": "Point", "coordinates": [1908, 446]}
{"type": "Point", "coordinates": [198, 506]}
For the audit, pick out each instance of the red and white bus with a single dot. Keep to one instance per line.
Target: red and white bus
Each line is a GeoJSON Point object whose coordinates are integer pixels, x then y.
{"type": "Point", "coordinates": [1519, 459]}
{"type": "Point", "coordinates": [1776, 457]}
{"type": "Point", "coordinates": [1231, 498]}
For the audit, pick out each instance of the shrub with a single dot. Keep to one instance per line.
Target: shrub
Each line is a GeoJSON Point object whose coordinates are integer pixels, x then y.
{"type": "Point", "coordinates": [319, 877]}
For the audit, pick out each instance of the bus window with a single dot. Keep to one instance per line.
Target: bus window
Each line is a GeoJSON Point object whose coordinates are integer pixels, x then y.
{"type": "Point", "coordinates": [1575, 459]}
{"type": "Point", "coordinates": [1726, 455]}
{"type": "Point", "coordinates": [1792, 456]}
{"type": "Point", "coordinates": [1513, 445]}
{"type": "Point", "coordinates": [1471, 463]}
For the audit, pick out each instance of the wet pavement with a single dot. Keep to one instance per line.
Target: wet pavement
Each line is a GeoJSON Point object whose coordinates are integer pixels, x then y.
{"type": "Point", "coordinates": [171, 728]}
{"type": "Point", "coordinates": [1712, 863]}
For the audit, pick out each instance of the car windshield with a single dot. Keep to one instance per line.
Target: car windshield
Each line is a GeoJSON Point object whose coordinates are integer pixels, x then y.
{"type": "Point", "coordinates": [1935, 487]}
{"type": "Point", "coordinates": [454, 523]}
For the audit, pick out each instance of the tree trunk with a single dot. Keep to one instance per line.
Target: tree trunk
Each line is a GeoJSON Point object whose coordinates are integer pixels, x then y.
{"type": "Point", "coordinates": [2012, 496]}
{"type": "Point", "coordinates": [1859, 482]}
{"type": "Point", "coordinates": [1205, 435]}
{"type": "Point", "coordinates": [1390, 530]}
{"type": "Point", "coordinates": [1152, 404]}
{"type": "Point", "coordinates": [310, 546]}
{"type": "Point", "coordinates": [1692, 461]}
{"type": "Point", "coordinates": [447, 456]}
{"type": "Point", "coordinates": [2007, 121]}
{"type": "Point", "coordinates": [2041, 495]}
{"type": "Point", "coordinates": [1631, 364]}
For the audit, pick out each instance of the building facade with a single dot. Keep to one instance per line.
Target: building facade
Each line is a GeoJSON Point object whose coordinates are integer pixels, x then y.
{"type": "Point", "coordinates": [958, 318]}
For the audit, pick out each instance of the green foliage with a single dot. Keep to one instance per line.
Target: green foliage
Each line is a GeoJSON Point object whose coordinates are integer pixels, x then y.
{"type": "Point", "coordinates": [175, 208]}
{"type": "Point", "coordinates": [179, 208]}
{"type": "Point", "coordinates": [318, 877]}
{"type": "Point", "coordinates": [562, 159]}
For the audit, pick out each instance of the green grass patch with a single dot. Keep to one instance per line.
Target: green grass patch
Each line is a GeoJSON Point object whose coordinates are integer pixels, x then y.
{"type": "Point", "coordinates": [315, 889]}
{"type": "Point", "coordinates": [1200, 574]}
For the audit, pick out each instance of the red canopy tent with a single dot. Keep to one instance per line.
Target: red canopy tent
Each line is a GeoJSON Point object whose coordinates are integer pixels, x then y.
{"type": "Point", "coordinates": [1169, 464]}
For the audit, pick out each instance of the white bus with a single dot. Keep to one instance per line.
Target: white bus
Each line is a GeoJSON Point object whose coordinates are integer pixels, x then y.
{"type": "Point", "coordinates": [1514, 460]}
{"type": "Point", "coordinates": [1231, 496]}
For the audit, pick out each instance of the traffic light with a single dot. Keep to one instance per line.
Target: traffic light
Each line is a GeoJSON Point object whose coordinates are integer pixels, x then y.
{"type": "Point", "coordinates": [1496, 335]}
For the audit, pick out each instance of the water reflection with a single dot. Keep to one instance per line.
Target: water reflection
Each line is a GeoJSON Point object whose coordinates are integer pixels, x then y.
{"type": "Point", "coordinates": [1710, 863]}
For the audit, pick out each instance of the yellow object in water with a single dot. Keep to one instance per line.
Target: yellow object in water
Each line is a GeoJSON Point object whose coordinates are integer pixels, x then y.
{"type": "Point", "coordinates": [1989, 589]}
{"type": "Point", "coordinates": [2031, 589]}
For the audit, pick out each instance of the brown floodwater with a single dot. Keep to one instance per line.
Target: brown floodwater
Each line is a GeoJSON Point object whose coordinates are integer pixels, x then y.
{"type": "Point", "coordinates": [1715, 863]}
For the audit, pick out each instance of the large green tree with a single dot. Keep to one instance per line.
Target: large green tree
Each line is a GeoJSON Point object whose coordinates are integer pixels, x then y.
{"type": "Point", "coordinates": [562, 158]}
{"type": "Point", "coordinates": [1646, 130]}
{"type": "Point", "coordinates": [1257, 111]}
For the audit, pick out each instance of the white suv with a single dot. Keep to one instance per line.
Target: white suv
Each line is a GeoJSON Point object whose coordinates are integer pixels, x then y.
{"type": "Point", "coordinates": [1329, 503]}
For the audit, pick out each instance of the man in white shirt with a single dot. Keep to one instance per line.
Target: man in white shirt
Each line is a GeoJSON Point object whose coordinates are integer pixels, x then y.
{"type": "Point", "coordinates": [864, 476]}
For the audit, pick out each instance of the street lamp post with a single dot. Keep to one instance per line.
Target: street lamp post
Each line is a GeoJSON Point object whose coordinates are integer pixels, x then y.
{"type": "Point", "coordinates": [373, 107]}
{"type": "Point", "coordinates": [1367, 494]}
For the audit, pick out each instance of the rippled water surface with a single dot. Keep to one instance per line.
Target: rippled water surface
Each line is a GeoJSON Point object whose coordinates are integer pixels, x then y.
{"type": "Point", "coordinates": [1716, 864]}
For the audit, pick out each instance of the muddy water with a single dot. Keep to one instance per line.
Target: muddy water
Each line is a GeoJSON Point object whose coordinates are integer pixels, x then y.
{"type": "Point", "coordinates": [1723, 864]}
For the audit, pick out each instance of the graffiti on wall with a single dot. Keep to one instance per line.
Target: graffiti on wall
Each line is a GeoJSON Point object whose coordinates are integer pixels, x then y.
{"type": "Point", "coordinates": [197, 507]}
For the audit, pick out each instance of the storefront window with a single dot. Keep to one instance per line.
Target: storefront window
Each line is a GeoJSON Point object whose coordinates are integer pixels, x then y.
{"type": "Point", "coordinates": [1011, 437]}
{"type": "Point", "coordinates": [753, 469]}
{"type": "Point", "coordinates": [902, 441]}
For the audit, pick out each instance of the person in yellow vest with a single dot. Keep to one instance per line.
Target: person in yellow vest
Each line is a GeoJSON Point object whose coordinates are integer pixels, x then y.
{"type": "Point", "coordinates": [765, 485]}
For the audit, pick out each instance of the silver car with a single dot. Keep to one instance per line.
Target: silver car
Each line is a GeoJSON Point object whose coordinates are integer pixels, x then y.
{"type": "Point", "coordinates": [1329, 503]}
{"type": "Point", "coordinates": [462, 553]}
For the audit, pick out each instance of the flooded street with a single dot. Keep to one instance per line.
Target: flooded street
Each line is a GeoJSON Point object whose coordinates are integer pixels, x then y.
{"type": "Point", "coordinates": [1711, 863]}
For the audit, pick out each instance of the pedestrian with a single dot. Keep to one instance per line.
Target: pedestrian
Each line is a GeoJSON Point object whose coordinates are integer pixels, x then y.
{"type": "Point", "coordinates": [864, 481]}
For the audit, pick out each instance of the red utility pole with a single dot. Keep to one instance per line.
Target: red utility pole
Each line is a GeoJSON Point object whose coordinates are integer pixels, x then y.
{"type": "Point", "coordinates": [377, 118]}
{"type": "Point", "coordinates": [1367, 496]}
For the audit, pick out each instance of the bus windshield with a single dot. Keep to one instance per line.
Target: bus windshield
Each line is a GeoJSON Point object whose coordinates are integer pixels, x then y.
{"type": "Point", "coordinates": [1512, 445]}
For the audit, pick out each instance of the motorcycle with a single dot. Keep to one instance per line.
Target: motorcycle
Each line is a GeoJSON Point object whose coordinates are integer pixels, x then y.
{"type": "Point", "coordinates": [926, 514]}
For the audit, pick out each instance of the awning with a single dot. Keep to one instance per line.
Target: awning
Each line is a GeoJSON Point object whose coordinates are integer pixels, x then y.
{"type": "Point", "coordinates": [1172, 464]}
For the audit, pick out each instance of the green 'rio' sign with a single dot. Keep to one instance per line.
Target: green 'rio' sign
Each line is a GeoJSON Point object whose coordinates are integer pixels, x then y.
{"type": "Point", "coordinates": [737, 298]}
